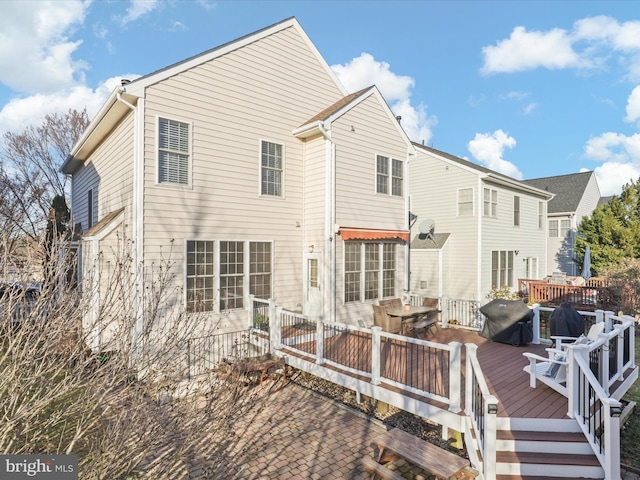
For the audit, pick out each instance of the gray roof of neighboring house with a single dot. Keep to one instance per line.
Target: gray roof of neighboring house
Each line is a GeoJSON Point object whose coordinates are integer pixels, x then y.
{"type": "Point", "coordinates": [605, 200]}
{"type": "Point", "coordinates": [568, 190]}
{"type": "Point", "coordinates": [422, 242]}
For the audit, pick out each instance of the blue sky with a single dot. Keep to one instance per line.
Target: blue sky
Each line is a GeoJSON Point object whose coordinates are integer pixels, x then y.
{"type": "Point", "coordinates": [529, 89]}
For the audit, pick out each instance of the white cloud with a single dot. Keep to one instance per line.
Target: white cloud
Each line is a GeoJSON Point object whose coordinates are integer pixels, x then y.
{"type": "Point", "coordinates": [612, 176]}
{"type": "Point", "coordinates": [34, 38]}
{"type": "Point", "coordinates": [20, 113]}
{"type": "Point", "coordinates": [137, 9]}
{"type": "Point", "coordinates": [364, 71]}
{"type": "Point", "coordinates": [530, 108]}
{"type": "Point", "coordinates": [620, 157]}
{"type": "Point", "coordinates": [633, 106]}
{"type": "Point", "coordinates": [488, 149]}
{"type": "Point", "coordinates": [525, 50]}
{"type": "Point", "coordinates": [589, 44]}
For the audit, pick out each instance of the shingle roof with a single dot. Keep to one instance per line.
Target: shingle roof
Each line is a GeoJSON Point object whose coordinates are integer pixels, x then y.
{"type": "Point", "coordinates": [568, 190]}
{"type": "Point", "coordinates": [327, 112]}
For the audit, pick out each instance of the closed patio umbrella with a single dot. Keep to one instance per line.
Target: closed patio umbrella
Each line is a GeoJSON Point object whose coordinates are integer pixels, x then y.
{"type": "Point", "coordinates": [586, 264]}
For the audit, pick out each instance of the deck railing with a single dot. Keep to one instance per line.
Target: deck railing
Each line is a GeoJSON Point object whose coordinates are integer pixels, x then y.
{"type": "Point", "coordinates": [461, 313]}
{"type": "Point", "coordinates": [208, 352]}
{"type": "Point", "coordinates": [481, 408]}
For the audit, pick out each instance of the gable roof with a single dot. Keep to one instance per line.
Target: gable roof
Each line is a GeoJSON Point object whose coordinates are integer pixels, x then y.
{"type": "Point", "coordinates": [125, 97]}
{"type": "Point", "coordinates": [318, 122]}
{"type": "Point", "coordinates": [486, 173]}
{"type": "Point", "coordinates": [568, 189]}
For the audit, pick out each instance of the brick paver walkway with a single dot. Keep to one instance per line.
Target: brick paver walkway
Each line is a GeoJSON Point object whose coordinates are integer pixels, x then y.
{"type": "Point", "coordinates": [300, 435]}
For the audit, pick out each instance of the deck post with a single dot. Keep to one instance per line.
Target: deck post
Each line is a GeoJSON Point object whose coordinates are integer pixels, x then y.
{"type": "Point", "coordinates": [250, 311]}
{"type": "Point", "coordinates": [536, 323]}
{"type": "Point", "coordinates": [612, 440]}
{"type": "Point", "coordinates": [490, 437]}
{"type": "Point", "coordinates": [455, 374]}
{"type": "Point", "coordinates": [320, 340]}
{"type": "Point", "coordinates": [275, 326]}
{"type": "Point", "coordinates": [444, 314]}
{"type": "Point", "coordinates": [468, 391]}
{"type": "Point", "coordinates": [375, 355]}
{"type": "Point", "coordinates": [573, 372]}
{"type": "Point", "coordinates": [608, 325]}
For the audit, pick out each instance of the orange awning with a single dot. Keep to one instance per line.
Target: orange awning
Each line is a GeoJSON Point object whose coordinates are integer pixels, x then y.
{"type": "Point", "coordinates": [371, 234]}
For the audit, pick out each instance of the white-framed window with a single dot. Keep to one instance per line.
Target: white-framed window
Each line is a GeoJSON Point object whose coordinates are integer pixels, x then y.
{"type": "Point", "coordinates": [370, 270]}
{"type": "Point", "coordinates": [490, 202]}
{"type": "Point", "coordinates": [389, 171]}
{"type": "Point", "coordinates": [200, 286]}
{"type": "Point", "coordinates": [553, 228]}
{"type": "Point", "coordinates": [565, 228]}
{"type": "Point", "coordinates": [260, 269]}
{"type": "Point", "coordinates": [231, 275]}
{"type": "Point", "coordinates": [540, 215]}
{"type": "Point", "coordinates": [271, 168]}
{"type": "Point", "coordinates": [516, 210]}
{"type": "Point", "coordinates": [90, 202]}
{"type": "Point", "coordinates": [502, 268]}
{"type": "Point", "coordinates": [465, 202]}
{"type": "Point", "coordinates": [174, 151]}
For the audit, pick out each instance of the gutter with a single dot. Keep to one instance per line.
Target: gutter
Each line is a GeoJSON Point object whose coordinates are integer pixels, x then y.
{"type": "Point", "coordinates": [330, 226]}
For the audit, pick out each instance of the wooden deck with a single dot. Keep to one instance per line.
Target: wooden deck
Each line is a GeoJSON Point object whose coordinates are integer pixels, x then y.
{"type": "Point", "coordinates": [501, 364]}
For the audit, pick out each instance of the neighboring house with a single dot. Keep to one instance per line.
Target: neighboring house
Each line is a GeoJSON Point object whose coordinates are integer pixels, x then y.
{"type": "Point", "coordinates": [576, 196]}
{"type": "Point", "coordinates": [251, 167]}
{"type": "Point", "coordinates": [489, 229]}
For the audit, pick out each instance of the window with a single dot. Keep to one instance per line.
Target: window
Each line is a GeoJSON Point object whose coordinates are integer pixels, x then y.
{"type": "Point", "coordinates": [382, 175]}
{"type": "Point", "coordinates": [260, 269]}
{"type": "Point", "coordinates": [90, 208]}
{"type": "Point", "coordinates": [271, 169]}
{"type": "Point", "coordinates": [370, 271]}
{"type": "Point", "coordinates": [384, 165]}
{"type": "Point", "coordinates": [553, 228]}
{"type": "Point", "coordinates": [465, 202]}
{"type": "Point", "coordinates": [540, 215]}
{"type": "Point", "coordinates": [490, 202]}
{"type": "Point", "coordinates": [173, 152]}
{"type": "Point", "coordinates": [352, 261]}
{"type": "Point", "coordinates": [502, 268]}
{"type": "Point", "coordinates": [200, 276]}
{"type": "Point", "coordinates": [565, 228]}
{"type": "Point", "coordinates": [231, 275]}
{"type": "Point", "coordinates": [396, 177]}
{"type": "Point", "coordinates": [516, 210]}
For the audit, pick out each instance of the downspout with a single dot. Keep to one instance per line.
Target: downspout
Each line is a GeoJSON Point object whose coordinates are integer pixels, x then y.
{"type": "Point", "coordinates": [330, 220]}
{"type": "Point", "coordinates": [138, 279]}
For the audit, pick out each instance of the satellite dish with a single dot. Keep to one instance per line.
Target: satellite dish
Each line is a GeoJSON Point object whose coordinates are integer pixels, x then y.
{"type": "Point", "coordinates": [427, 227]}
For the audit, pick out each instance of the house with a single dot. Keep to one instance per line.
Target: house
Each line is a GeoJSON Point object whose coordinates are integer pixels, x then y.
{"type": "Point", "coordinates": [576, 196]}
{"type": "Point", "coordinates": [252, 169]}
{"type": "Point", "coordinates": [476, 229]}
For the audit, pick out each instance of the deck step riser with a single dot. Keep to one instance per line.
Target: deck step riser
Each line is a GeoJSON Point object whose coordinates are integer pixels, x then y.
{"type": "Point", "coordinates": [538, 425]}
{"type": "Point", "coordinates": [580, 448]}
{"type": "Point", "coordinates": [540, 470]}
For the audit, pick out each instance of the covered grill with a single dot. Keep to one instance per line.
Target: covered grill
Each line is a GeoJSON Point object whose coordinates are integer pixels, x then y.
{"type": "Point", "coordinates": [507, 321]}
{"type": "Point", "coordinates": [565, 321]}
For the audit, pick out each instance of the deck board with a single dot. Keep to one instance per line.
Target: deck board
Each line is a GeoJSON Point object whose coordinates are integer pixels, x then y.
{"type": "Point", "coordinates": [501, 364]}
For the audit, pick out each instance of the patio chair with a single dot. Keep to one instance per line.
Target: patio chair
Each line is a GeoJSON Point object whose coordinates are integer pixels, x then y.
{"type": "Point", "coordinates": [383, 320]}
{"type": "Point", "coordinates": [552, 371]}
{"type": "Point", "coordinates": [391, 302]}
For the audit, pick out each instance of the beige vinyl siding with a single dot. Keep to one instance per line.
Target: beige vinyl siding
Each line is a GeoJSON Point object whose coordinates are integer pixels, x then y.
{"type": "Point", "coordinates": [315, 191]}
{"type": "Point", "coordinates": [434, 186]}
{"type": "Point", "coordinates": [357, 203]}
{"type": "Point", "coordinates": [499, 234]}
{"type": "Point", "coordinates": [109, 172]}
{"type": "Point", "coordinates": [259, 92]}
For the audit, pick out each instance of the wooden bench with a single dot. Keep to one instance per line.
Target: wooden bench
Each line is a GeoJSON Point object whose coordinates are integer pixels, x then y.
{"type": "Point", "coordinates": [429, 457]}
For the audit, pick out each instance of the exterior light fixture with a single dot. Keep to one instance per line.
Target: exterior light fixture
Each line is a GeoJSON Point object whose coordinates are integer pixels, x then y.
{"type": "Point", "coordinates": [311, 248]}
{"type": "Point", "coordinates": [615, 411]}
{"type": "Point", "coordinates": [492, 408]}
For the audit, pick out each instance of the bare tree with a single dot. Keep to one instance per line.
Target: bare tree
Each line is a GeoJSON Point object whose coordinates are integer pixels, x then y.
{"type": "Point", "coordinates": [30, 178]}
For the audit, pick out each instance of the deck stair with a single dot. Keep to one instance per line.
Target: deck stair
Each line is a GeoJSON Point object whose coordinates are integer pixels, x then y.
{"type": "Point", "coordinates": [550, 450]}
